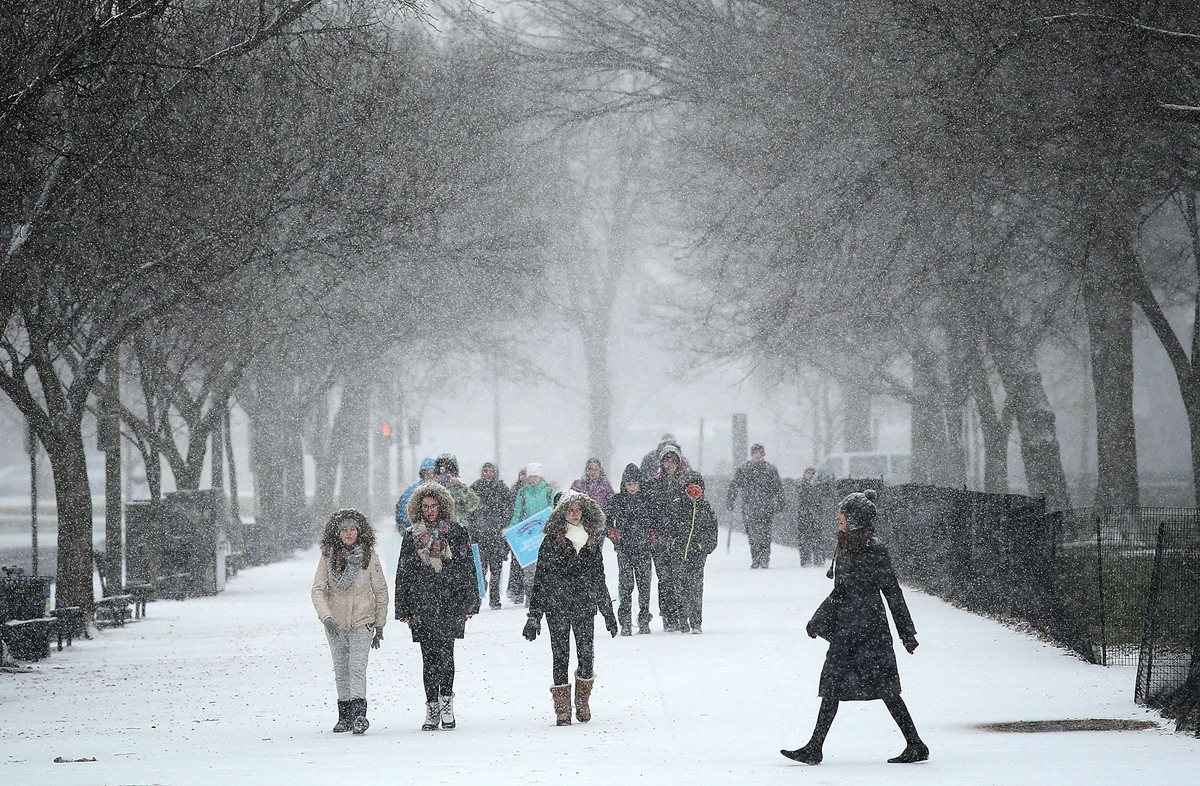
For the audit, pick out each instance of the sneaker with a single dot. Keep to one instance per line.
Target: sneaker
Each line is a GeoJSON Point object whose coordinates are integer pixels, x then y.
{"type": "Point", "coordinates": [696, 629]}
{"type": "Point", "coordinates": [495, 605]}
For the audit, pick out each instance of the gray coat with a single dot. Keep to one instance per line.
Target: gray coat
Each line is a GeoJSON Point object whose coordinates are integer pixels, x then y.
{"type": "Point", "coordinates": [861, 661]}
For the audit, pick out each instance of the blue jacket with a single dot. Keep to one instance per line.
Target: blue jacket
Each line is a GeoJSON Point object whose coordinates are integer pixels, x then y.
{"type": "Point", "coordinates": [402, 522]}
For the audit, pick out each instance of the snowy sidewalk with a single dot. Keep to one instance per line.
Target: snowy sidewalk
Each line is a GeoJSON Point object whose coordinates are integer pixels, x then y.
{"type": "Point", "coordinates": [239, 689]}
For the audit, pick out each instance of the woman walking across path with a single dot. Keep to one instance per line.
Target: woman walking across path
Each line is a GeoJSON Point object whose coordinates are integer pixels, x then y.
{"type": "Point", "coordinates": [861, 662]}
{"type": "Point", "coordinates": [436, 594]}
{"type": "Point", "coordinates": [350, 595]}
{"type": "Point", "coordinates": [568, 588]}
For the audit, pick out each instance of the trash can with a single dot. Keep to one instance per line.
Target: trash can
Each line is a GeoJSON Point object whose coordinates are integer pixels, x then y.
{"type": "Point", "coordinates": [24, 597]}
{"type": "Point", "coordinates": [194, 541]}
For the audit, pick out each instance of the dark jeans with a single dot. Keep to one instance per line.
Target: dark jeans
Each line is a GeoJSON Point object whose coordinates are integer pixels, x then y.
{"type": "Point", "coordinates": [691, 586]}
{"type": "Point", "coordinates": [809, 542]}
{"type": "Point", "coordinates": [666, 565]}
{"type": "Point", "coordinates": [633, 569]}
{"type": "Point", "coordinates": [437, 658]}
{"type": "Point", "coordinates": [758, 529]}
{"type": "Point", "coordinates": [560, 627]}
{"type": "Point", "coordinates": [491, 558]}
{"type": "Point", "coordinates": [516, 582]}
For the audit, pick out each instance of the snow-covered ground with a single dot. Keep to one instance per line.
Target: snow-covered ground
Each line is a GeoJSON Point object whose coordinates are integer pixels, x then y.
{"type": "Point", "coordinates": [238, 689]}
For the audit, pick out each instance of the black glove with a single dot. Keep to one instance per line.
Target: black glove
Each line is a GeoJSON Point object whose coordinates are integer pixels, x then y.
{"type": "Point", "coordinates": [533, 626]}
{"type": "Point", "coordinates": [330, 625]}
{"type": "Point", "coordinates": [910, 643]}
{"type": "Point", "coordinates": [811, 630]}
{"type": "Point", "coordinates": [378, 638]}
{"type": "Point", "coordinates": [610, 622]}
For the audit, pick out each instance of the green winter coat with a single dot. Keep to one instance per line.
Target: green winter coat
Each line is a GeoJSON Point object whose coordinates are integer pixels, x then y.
{"type": "Point", "coordinates": [530, 500]}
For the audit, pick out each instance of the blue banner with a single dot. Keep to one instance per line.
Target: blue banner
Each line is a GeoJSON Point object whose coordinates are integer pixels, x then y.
{"type": "Point", "coordinates": [526, 538]}
{"type": "Point", "coordinates": [478, 568]}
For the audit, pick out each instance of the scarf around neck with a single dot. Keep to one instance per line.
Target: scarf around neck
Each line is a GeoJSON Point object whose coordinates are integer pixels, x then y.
{"type": "Point", "coordinates": [577, 536]}
{"type": "Point", "coordinates": [433, 545]}
{"type": "Point", "coordinates": [342, 579]}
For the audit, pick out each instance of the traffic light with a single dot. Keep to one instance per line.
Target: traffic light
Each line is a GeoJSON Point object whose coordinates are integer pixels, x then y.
{"type": "Point", "coordinates": [385, 431]}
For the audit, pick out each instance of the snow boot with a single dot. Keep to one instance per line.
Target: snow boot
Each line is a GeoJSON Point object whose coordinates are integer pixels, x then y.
{"type": "Point", "coordinates": [562, 704]}
{"type": "Point", "coordinates": [626, 630]}
{"type": "Point", "coordinates": [358, 716]}
{"type": "Point", "coordinates": [809, 754]}
{"type": "Point", "coordinates": [433, 715]}
{"type": "Point", "coordinates": [912, 753]}
{"type": "Point", "coordinates": [446, 710]}
{"type": "Point", "coordinates": [643, 627]}
{"type": "Point", "coordinates": [343, 722]}
{"type": "Point", "coordinates": [583, 693]}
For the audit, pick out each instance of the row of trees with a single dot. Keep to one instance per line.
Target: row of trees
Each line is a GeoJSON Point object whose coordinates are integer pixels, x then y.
{"type": "Point", "coordinates": [919, 200]}
{"type": "Point", "coordinates": [268, 203]}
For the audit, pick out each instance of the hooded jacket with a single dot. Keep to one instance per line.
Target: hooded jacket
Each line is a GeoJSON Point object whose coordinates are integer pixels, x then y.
{"type": "Point", "coordinates": [437, 602]}
{"type": "Point", "coordinates": [465, 500]}
{"type": "Point", "coordinates": [599, 489]}
{"type": "Point", "coordinates": [569, 582]}
{"type": "Point", "coordinates": [366, 601]}
{"type": "Point", "coordinates": [403, 522]}
{"type": "Point", "coordinates": [531, 499]}
{"type": "Point", "coordinates": [631, 516]}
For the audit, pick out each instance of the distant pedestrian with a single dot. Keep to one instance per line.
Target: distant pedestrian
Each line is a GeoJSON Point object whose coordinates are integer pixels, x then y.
{"type": "Point", "coordinates": [533, 497]}
{"type": "Point", "coordinates": [425, 473]}
{"type": "Point", "coordinates": [436, 594]}
{"type": "Point", "coordinates": [569, 589]}
{"type": "Point", "coordinates": [649, 465]}
{"type": "Point", "coordinates": [465, 500]}
{"type": "Point", "coordinates": [594, 483]}
{"type": "Point", "coordinates": [809, 499]}
{"type": "Point", "coordinates": [672, 512]}
{"type": "Point", "coordinates": [486, 526]}
{"type": "Point", "coordinates": [861, 662]}
{"type": "Point", "coordinates": [700, 541]}
{"type": "Point", "coordinates": [630, 516]}
{"type": "Point", "coordinates": [350, 595]}
{"type": "Point", "coordinates": [762, 497]}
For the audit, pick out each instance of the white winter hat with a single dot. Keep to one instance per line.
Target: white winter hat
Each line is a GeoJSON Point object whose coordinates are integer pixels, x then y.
{"type": "Point", "coordinates": [534, 469]}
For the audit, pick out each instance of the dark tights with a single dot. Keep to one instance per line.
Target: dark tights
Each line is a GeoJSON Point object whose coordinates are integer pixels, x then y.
{"type": "Point", "coordinates": [560, 645]}
{"type": "Point", "coordinates": [895, 705]}
{"type": "Point", "coordinates": [437, 659]}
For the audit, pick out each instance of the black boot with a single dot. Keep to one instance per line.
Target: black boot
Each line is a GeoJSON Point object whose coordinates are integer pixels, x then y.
{"type": "Point", "coordinates": [809, 754]}
{"type": "Point", "coordinates": [343, 723]}
{"type": "Point", "coordinates": [912, 753]}
{"type": "Point", "coordinates": [358, 713]}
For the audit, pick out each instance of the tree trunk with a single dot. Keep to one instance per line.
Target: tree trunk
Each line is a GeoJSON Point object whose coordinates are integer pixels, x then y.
{"type": "Point", "coordinates": [924, 417]}
{"type": "Point", "coordinates": [352, 443]}
{"type": "Point", "coordinates": [993, 425]}
{"type": "Point", "coordinates": [73, 497]}
{"type": "Point", "coordinates": [595, 350]}
{"type": "Point", "coordinates": [1109, 310]}
{"type": "Point", "coordinates": [1034, 418]}
{"type": "Point", "coordinates": [235, 512]}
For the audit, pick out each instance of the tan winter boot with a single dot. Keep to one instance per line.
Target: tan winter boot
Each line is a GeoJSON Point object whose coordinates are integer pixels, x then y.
{"type": "Point", "coordinates": [562, 704]}
{"type": "Point", "coordinates": [583, 692]}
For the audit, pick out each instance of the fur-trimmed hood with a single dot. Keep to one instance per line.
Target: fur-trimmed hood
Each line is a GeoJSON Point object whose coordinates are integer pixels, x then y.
{"type": "Point", "coordinates": [593, 516]}
{"type": "Point", "coordinates": [430, 489]}
{"type": "Point", "coordinates": [331, 541]}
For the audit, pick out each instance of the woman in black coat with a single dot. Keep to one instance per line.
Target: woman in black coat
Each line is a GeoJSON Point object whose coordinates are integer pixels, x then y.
{"type": "Point", "coordinates": [569, 588]}
{"type": "Point", "coordinates": [861, 662]}
{"type": "Point", "coordinates": [436, 594]}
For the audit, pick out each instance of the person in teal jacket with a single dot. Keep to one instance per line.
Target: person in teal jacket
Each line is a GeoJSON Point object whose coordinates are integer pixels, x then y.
{"type": "Point", "coordinates": [533, 497]}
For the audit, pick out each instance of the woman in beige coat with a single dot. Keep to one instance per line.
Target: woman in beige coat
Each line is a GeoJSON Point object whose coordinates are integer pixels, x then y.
{"type": "Point", "coordinates": [350, 595]}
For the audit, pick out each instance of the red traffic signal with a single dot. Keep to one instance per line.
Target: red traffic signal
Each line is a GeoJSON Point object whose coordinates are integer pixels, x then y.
{"type": "Point", "coordinates": [385, 430]}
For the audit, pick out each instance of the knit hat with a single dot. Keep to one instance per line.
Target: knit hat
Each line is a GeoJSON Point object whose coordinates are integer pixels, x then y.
{"type": "Point", "coordinates": [757, 448]}
{"type": "Point", "coordinates": [667, 450]}
{"type": "Point", "coordinates": [632, 472]}
{"type": "Point", "coordinates": [667, 438]}
{"type": "Point", "coordinates": [426, 463]}
{"type": "Point", "coordinates": [534, 468]}
{"type": "Point", "coordinates": [859, 508]}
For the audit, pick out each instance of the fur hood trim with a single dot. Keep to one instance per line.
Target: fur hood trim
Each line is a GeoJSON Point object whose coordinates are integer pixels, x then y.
{"type": "Point", "coordinates": [430, 489]}
{"type": "Point", "coordinates": [593, 516]}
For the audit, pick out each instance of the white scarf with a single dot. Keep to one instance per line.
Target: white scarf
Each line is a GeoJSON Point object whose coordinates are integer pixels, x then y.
{"type": "Point", "coordinates": [577, 535]}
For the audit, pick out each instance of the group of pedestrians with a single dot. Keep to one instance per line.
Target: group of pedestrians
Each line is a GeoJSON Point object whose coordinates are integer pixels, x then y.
{"type": "Point", "coordinates": [758, 484]}
{"type": "Point", "coordinates": [659, 522]}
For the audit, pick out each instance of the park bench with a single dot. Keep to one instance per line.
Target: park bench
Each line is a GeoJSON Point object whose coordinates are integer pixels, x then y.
{"type": "Point", "coordinates": [71, 624]}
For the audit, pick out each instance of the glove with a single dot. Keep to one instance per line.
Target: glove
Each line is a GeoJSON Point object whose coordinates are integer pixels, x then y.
{"type": "Point", "coordinates": [330, 625]}
{"type": "Point", "coordinates": [533, 626]}
{"type": "Point", "coordinates": [610, 622]}
{"type": "Point", "coordinates": [910, 644]}
{"type": "Point", "coordinates": [652, 534]}
{"type": "Point", "coordinates": [811, 630]}
{"type": "Point", "coordinates": [378, 638]}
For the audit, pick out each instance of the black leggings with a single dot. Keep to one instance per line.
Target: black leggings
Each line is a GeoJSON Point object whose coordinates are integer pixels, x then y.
{"type": "Point", "coordinates": [560, 645]}
{"type": "Point", "coordinates": [895, 705]}
{"type": "Point", "coordinates": [437, 659]}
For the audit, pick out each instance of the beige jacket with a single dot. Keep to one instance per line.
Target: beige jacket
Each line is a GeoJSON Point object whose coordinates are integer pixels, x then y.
{"type": "Point", "coordinates": [365, 603]}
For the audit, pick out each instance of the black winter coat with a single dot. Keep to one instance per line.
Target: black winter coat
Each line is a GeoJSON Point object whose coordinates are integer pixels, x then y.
{"type": "Point", "coordinates": [701, 536]}
{"type": "Point", "coordinates": [488, 521]}
{"type": "Point", "coordinates": [672, 505]}
{"type": "Point", "coordinates": [861, 661]}
{"type": "Point", "coordinates": [632, 515]}
{"type": "Point", "coordinates": [568, 583]}
{"type": "Point", "coordinates": [762, 490]}
{"type": "Point", "coordinates": [437, 603]}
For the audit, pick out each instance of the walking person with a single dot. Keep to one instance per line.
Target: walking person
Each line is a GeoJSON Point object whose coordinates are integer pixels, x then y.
{"type": "Point", "coordinates": [762, 497]}
{"type": "Point", "coordinates": [569, 588]}
{"type": "Point", "coordinates": [809, 497]}
{"type": "Point", "coordinates": [672, 511]}
{"type": "Point", "coordinates": [701, 540]}
{"type": "Point", "coordinates": [350, 595]}
{"type": "Point", "coordinates": [534, 496]}
{"type": "Point", "coordinates": [594, 483]}
{"type": "Point", "coordinates": [630, 516]}
{"type": "Point", "coordinates": [446, 473]}
{"type": "Point", "coordinates": [425, 473]}
{"type": "Point", "coordinates": [436, 594]}
{"type": "Point", "coordinates": [861, 662]}
{"type": "Point", "coordinates": [486, 526]}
